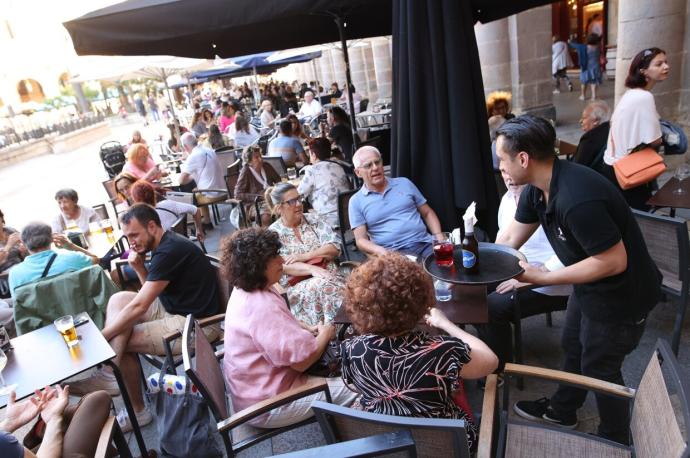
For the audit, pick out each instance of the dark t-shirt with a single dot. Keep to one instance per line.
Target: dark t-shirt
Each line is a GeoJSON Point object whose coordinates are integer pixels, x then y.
{"type": "Point", "coordinates": [342, 136]}
{"type": "Point", "coordinates": [10, 447]}
{"type": "Point", "coordinates": [586, 215]}
{"type": "Point", "coordinates": [591, 145]}
{"type": "Point", "coordinates": [193, 287]}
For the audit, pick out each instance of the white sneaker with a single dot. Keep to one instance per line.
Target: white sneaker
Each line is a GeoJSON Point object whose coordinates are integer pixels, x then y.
{"type": "Point", "coordinates": [143, 418]}
{"type": "Point", "coordinates": [98, 381]}
{"type": "Point", "coordinates": [556, 91]}
{"type": "Point", "coordinates": [582, 97]}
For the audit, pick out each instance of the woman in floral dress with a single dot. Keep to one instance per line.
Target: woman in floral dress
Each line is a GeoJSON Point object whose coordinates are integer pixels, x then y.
{"type": "Point", "coordinates": [306, 239]}
{"type": "Point", "coordinates": [397, 369]}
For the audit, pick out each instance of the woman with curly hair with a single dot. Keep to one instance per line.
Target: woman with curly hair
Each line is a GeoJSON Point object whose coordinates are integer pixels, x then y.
{"type": "Point", "coordinates": [267, 350]}
{"type": "Point", "coordinates": [312, 280]}
{"type": "Point", "coordinates": [397, 369]}
{"type": "Point", "coordinates": [498, 104]}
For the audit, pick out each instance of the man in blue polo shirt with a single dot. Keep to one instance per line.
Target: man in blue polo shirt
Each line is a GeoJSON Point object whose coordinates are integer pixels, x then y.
{"type": "Point", "coordinates": [389, 213]}
{"type": "Point", "coordinates": [44, 262]}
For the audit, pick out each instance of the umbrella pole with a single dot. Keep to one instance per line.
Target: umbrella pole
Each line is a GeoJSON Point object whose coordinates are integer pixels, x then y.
{"type": "Point", "coordinates": [340, 21]}
{"type": "Point", "coordinates": [172, 112]}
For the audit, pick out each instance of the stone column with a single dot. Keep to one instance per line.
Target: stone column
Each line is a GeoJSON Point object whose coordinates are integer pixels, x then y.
{"type": "Point", "coordinates": [515, 55]}
{"type": "Point", "coordinates": [326, 65]}
{"type": "Point", "coordinates": [383, 66]}
{"type": "Point", "coordinates": [493, 43]}
{"type": "Point", "coordinates": [530, 62]}
{"type": "Point", "coordinates": [662, 24]}
{"type": "Point", "coordinates": [358, 70]}
{"type": "Point", "coordinates": [338, 66]}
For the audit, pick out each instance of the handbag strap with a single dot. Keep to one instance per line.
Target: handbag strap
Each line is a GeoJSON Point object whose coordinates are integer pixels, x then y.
{"type": "Point", "coordinates": [48, 266]}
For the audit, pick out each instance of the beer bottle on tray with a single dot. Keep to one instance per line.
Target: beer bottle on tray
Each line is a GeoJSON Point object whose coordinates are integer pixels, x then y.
{"type": "Point", "coordinates": [470, 249]}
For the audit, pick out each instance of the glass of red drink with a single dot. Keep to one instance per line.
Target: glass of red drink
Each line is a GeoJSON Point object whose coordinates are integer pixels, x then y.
{"type": "Point", "coordinates": [443, 249]}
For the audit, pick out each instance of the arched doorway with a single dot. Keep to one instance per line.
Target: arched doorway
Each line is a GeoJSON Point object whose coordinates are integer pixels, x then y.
{"type": "Point", "coordinates": [30, 90]}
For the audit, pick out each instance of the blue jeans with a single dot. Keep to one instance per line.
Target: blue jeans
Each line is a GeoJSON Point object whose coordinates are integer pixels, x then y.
{"type": "Point", "coordinates": [597, 349]}
{"type": "Point", "coordinates": [419, 249]}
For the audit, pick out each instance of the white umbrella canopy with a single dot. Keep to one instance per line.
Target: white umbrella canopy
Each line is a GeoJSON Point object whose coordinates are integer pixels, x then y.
{"type": "Point", "coordinates": [120, 68]}
{"type": "Point", "coordinates": [288, 53]}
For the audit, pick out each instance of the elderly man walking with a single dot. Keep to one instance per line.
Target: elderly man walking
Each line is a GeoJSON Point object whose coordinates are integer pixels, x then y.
{"type": "Point", "coordinates": [389, 213]}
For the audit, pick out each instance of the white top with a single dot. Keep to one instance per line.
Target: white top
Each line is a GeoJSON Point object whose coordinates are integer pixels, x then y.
{"type": "Point", "coordinates": [310, 109]}
{"type": "Point", "coordinates": [536, 249]}
{"type": "Point", "coordinates": [243, 139]}
{"type": "Point", "coordinates": [86, 215]}
{"type": "Point", "coordinates": [203, 165]}
{"type": "Point", "coordinates": [267, 119]}
{"type": "Point", "coordinates": [560, 57]}
{"type": "Point", "coordinates": [321, 184]}
{"type": "Point", "coordinates": [634, 121]}
{"type": "Point", "coordinates": [165, 207]}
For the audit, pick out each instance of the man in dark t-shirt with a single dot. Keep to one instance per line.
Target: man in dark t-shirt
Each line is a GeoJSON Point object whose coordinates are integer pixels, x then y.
{"type": "Point", "coordinates": [179, 280]}
{"type": "Point", "coordinates": [594, 234]}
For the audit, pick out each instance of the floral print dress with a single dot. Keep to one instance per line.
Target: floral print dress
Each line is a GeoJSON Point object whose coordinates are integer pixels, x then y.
{"type": "Point", "coordinates": [315, 299]}
{"type": "Point", "coordinates": [413, 375]}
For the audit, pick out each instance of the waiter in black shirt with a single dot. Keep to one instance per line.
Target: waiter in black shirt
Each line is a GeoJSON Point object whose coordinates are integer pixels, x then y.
{"type": "Point", "coordinates": [595, 235]}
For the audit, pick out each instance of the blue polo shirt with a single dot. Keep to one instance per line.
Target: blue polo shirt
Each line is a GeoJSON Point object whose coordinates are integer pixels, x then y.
{"type": "Point", "coordinates": [392, 217]}
{"type": "Point", "coordinates": [33, 265]}
{"type": "Point", "coordinates": [286, 147]}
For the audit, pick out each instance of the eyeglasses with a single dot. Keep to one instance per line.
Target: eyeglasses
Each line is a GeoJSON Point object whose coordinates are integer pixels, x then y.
{"type": "Point", "coordinates": [370, 164]}
{"type": "Point", "coordinates": [293, 202]}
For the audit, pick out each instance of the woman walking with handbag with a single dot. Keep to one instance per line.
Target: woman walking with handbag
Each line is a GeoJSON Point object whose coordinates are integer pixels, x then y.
{"type": "Point", "coordinates": [635, 121]}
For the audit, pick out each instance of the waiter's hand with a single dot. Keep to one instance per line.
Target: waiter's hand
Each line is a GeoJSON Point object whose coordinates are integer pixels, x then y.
{"type": "Point", "coordinates": [532, 274]}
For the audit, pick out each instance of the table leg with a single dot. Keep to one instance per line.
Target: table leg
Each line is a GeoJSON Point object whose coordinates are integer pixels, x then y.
{"type": "Point", "coordinates": [128, 407]}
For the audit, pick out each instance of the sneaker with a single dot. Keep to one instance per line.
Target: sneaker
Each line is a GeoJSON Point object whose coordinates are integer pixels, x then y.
{"type": "Point", "coordinates": [531, 410]}
{"type": "Point", "coordinates": [570, 88]}
{"type": "Point", "coordinates": [582, 97]}
{"type": "Point", "coordinates": [98, 381]}
{"type": "Point", "coordinates": [564, 421]}
{"type": "Point", "coordinates": [143, 418]}
{"type": "Point", "coordinates": [556, 91]}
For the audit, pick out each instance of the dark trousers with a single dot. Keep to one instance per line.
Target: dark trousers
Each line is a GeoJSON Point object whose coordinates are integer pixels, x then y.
{"type": "Point", "coordinates": [497, 334]}
{"type": "Point", "coordinates": [597, 349]}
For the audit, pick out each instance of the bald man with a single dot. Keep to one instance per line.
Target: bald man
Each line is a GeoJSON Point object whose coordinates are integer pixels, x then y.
{"type": "Point", "coordinates": [389, 213]}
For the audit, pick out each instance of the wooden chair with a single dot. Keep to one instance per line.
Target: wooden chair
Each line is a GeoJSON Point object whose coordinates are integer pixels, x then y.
{"type": "Point", "coordinates": [180, 227]}
{"type": "Point", "coordinates": [113, 198]}
{"type": "Point", "coordinates": [205, 372]}
{"type": "Point", "coordinates": [668, 245]}
{"type": "Point", "coordinates": [655, 427]}
{"type": "Point", "coordinates": [111, 433]}
{"type": "Point", "coordinates": [277, 163]}
{"type": "Point", "coordinates": [231, 177]}
{"type": "Point", "coordinates": [350, 250]}
{"type": "Point", "coordinates": [379, 445]}
{"type": "Point", "coordinates": [102, 211]}
{"type": "Point", "coordinates": [434, 437]}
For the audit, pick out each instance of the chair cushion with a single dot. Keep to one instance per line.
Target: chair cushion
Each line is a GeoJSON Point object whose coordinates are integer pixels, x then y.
{"type": "Point", "coordinates": [536, 441]}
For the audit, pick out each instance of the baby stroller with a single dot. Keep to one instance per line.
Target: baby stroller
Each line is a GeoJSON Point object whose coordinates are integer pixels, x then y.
{"type": "Point", "coordinates": [113, 157]}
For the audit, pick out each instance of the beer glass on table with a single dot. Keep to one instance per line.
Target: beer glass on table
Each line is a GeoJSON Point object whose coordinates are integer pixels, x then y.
{"type": "Point", "coordinates": [443, 249]}
{"type": "Point", "coordinates": [65, 326]}
{"type": "Point", "coordinates": [5, 389]}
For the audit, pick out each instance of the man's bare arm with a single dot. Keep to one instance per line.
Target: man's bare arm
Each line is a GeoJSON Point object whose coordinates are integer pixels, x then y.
{"type": "Point", "coordinates": [136, 308]}
{"type": "Point", "coordinates": [364, 243]}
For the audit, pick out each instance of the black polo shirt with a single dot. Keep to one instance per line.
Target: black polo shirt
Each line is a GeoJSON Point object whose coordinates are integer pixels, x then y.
{"type": "Point", "coordinates": [192, 286]}
{"type": "Point", "coordinates": [586, 215]}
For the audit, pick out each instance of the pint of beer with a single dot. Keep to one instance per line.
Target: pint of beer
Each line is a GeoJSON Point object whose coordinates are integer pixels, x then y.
{"type": "Point", "coordinates": [65, 325]}
{"type": "Point", "coordinates": [107, 226]}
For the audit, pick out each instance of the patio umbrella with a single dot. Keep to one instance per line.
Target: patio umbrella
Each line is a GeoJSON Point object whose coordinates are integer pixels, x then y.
{"type": "Point", "coordinates": [204, 28]}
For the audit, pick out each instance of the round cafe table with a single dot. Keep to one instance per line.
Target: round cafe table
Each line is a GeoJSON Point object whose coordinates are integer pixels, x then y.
{"type": "Point", "coordinates": [468, 304]}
